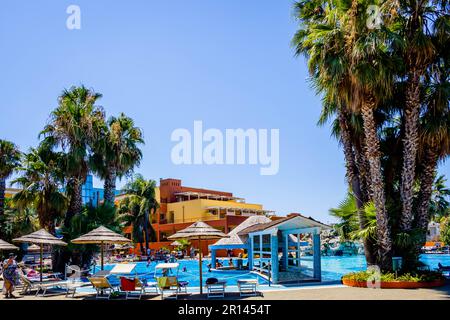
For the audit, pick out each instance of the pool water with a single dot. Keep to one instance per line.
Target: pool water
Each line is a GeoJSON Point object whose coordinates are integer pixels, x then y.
{"type": "Point", "coordinates": [333, 268]}
{"type": "Point", "coordinates": [191, 274]}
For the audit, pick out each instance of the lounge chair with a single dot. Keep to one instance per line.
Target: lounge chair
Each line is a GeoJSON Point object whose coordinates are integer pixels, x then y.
{"type": "Point", "coordinates": [68, 287]}
{"type": "Point", "coordinates": [146, 286]}
{"type": "Point", "coordinates": [27, 284]}
{"type": "Point", "coordinates": [101, 285]}
{"type": "Point", "coordinates": [169, 284]}
{"type": "Point", "coordinates": [215, 288]}
{"type": "Point", "coordinates": [443, 268]}
{"type": "Point", "coordinates": [247, 287]}
{"type": "Point", "coordinates": [128, 285]}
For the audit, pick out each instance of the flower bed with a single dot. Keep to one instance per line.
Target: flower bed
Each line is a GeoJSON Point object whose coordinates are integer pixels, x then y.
{"type": "Point", "coordinates": [391, 281]}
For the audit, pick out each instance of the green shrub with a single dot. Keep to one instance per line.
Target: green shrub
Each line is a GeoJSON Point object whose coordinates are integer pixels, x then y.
{"type": "Point", "coordinates": [422, 276]}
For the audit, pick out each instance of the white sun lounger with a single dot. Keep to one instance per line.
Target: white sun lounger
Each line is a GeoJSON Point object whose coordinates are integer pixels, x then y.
{"type": "Point", "coordinates": [247, 287]}
{"type": "Point", "coordinates": [216, 290]}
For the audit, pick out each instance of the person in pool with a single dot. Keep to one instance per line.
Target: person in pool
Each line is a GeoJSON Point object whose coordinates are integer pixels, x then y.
{"type": "Point", "coordinates": [230, 263]}
{"type": "Point", "coordinates": [184, 269]}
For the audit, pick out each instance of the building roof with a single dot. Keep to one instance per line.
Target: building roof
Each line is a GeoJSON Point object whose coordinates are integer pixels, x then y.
{"type": "Point", "coordinates": [234, 238]}
{"type": "Point", "coordinates": [244, 209]}
{"type": "Point", "coordinates": [208, 195]}
{"type": "Point", "coordinates": [297, 219]}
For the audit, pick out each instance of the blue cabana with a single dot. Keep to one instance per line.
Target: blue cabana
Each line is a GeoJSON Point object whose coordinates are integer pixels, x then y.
{"type": "Point", "coordinates": [235, 241]}
{"type": "Point", "coordinates": [275, 249]}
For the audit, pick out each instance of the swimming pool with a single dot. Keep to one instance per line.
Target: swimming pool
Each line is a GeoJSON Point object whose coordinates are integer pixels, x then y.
{"type": "Point", "coordinates": [191, 274]}
{"type": "Point", "coordinates": [333, 268]}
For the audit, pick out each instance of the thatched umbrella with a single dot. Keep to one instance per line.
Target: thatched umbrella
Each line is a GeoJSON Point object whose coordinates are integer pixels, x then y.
{"type": "Point", "coordinates": [198, 231]}
{"type": "Point", "coordinates": [7, 246]}
{"type": "Point", "coordinates": [175, 244]}
{"type": "Point", "coordinates": [101, 236]}
{"type": "Point", "coordinates": [41, 237]}
{"type": "Point", "coordinates": [34, 247]}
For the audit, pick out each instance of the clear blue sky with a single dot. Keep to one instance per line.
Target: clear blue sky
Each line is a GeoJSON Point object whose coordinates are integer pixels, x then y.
{"type": "Point", "coordinates": [167, 63]}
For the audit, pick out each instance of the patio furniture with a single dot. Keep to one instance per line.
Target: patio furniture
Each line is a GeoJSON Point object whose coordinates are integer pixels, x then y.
{"type": "Point", "coordinates": [215, 289]}
{"type": "Point", "coordinates": [101, 285]}
{"type": "Point", "coordinates": [27, 284]}
{"type": "Point", "coordinates": [146, 286]}
{"type": "Point", "coordinates": [168, 284]}
{"type": "Point", "coordinates": [247, 287]}
{"type": "Point", "coordinates": [68, 287]}
{"type": "Point", "coordinates": [128, 285]}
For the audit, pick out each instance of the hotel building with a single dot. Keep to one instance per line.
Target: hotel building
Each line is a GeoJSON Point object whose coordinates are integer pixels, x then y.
{"type": "Point", "coordinates": [180, 206]}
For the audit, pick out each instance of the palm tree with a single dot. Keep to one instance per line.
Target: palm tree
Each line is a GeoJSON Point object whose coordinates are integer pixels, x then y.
{"type": "Point", "coordinates": [141, 203]}
{"type": "Point", "coordinates": [348, 215]}
{"type": "Point", "coordinates": [116, 153]}
{"type": "Point", "coordinates": [41, 182]}
{"type": "Point", "coordinates": [418, 51]}
{"type": "Point", "coordinates": [74, 125]}
{"type": "Point", "coordinates": [9, 161]}
{"type": "Point", "coordinates": [439, 204]}
{"type": "Point", "coordinates": [435, 122]}
{"type": "Point", "coordinates": [353, 67]}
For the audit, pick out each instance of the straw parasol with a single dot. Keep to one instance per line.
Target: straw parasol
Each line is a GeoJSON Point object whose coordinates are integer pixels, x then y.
{"type": "Point", "coordinates": [33, 247]}
{"type": "Point", "coordinates": [7, 246]}
{"type": "Point", "coordinates": [41, 237]}
{"type": "Point", "coordinates": [198, 231]}
{"type": "Point", "coordinates": [175, 244]}
{"type": "Point", "coordinates": [100, 236]}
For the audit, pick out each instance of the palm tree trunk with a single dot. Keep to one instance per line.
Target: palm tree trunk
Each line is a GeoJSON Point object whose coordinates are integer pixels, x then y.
{"type": "Point", "coordinates": [2, 200]}
{"type": "Point", "coordinates": [363, 169]}
{"type": "Point", "coordinates": [76, 202]}
{"type": "Point", "coordinates": [410, 145]}
{"type": "Point", "coordinates": [372, 151]}
{"type": "Point", "coordinates": [2, 196]}
{"type": "Point", "coordinates": [110, 186]}
{"type": "Point", "coordinates": [354, 181]}
{"type": "Point", "coordinates": [146, 230]}
{"type": "Point", "coordinates": [426, 186]}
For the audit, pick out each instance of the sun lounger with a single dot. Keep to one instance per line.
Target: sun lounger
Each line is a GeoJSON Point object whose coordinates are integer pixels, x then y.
{"type": "Point", "coordinates": [247, 287]}
{"type": "Point", "coordinates": [67, 287]}
{"type": "Point", "coordinates": [27, 284]}
{"type": "Point", "coordinates": [168, 284]}
{"type": "Point", "coordinates": [102, 285]}
{"type": "Point", "coordinates": [443, 268]}
{"type": "Point", "coordinates": [147, 287]}
{"type": "Point", "coordinates": [216, 289]}
{"type": "Point", "coordinates": [128, 285]}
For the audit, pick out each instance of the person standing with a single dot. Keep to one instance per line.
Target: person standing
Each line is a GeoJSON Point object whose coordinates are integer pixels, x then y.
{"type": "Point", "coordinates": [10, 276]}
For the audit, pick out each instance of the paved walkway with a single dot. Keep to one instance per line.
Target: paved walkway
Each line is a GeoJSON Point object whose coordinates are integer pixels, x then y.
{"type": "Point", "coordinates": [337, 292]}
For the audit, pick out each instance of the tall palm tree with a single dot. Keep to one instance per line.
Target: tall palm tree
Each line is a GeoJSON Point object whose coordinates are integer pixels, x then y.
{"type": "Point", "coordinates": [9, 161]}
{"type": "Point", "coordinates": [352, 65]}
{"type": "Point", "coordinates": [419, 50]}
{"type": "Point", "coordinates": [116, 153]}
{"type": "Point", "coordinates": [142, 204]}
{"type": "Point", "coordinates": [74, 125]}
{"type": "Point", "coordinates": [41, 182]}
{"type": "Point", "coordinates": [435, 122]}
